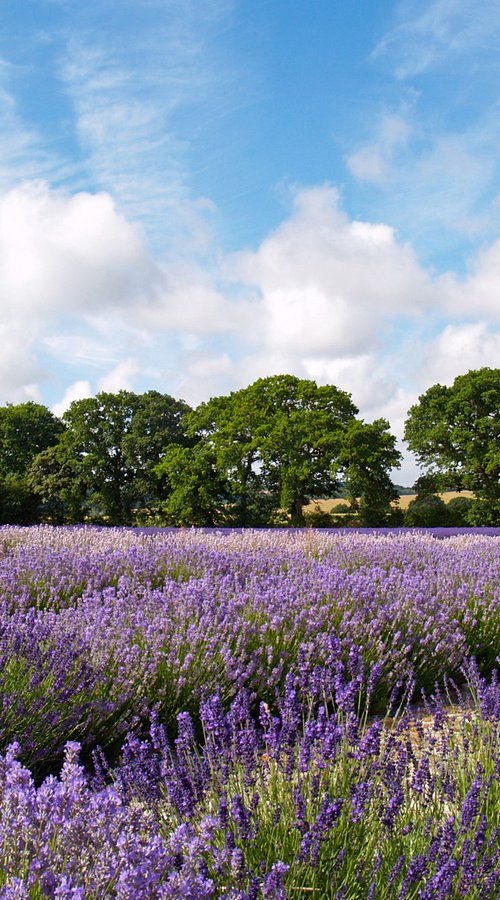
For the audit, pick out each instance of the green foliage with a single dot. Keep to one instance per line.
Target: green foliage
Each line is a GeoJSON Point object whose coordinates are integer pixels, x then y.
{"type": "Point", "coordinates": [484, 513]}
{"type": "Point", "coordinates": [103, 467]}
{"type": "Point", "coordinates": [430, 511]}
{"type": "Point", "coordinates": [157, 422]}
{"type": "Point", "coordinates": [274, 443]}
{"type": "Point", "coordinates": [458, 509]}
{"type": "Point", "coordinates": [18, 504]}
{"type": "Point", "coordinates": [227, 426]}
{"type": "Point", "coordinates": [56, 476]}
{"type": "Point", "coordinates": [319, 518]}
{"type": "Point", "coordinates": [299, 429]}
{"type": "Point", "coordinates": [25, 430]}
{"type": "Point", "coordinates": [454, 431]}
{"type": "Point", "coordinates": [197, 491]}
{"type": "Point", "coordinates": [425, 485]}
{"type": "Point", "coordinates": [367, 453]}
{"type": "Point", "coordinates": [256, 457]}
{"type": "Point", "coordinates": [97, 427]}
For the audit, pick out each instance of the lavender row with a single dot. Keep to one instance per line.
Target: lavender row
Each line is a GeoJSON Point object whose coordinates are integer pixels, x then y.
{"type": "Point", "coordinates": [255, 661]}
{"type": "Point", "coordinates": [271, 807]}
{"type": "Point", "coordinates": [99, 627]}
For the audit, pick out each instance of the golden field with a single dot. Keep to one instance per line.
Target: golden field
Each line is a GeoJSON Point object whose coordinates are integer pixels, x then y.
{"type": "Point", "coordinates": [403, 502]}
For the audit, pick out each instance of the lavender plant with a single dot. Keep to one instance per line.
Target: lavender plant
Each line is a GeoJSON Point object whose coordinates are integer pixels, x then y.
{"type": "Point", "coordinates": [290, 749]}
{"type": "Point", "coordinates": [277, 807]}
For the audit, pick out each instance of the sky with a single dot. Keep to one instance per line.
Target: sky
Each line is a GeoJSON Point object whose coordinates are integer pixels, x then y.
{"type": "Point", "coordinates": [198, 193]}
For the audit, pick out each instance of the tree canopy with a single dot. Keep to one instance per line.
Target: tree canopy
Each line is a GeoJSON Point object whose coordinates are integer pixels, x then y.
{"type": "Point", "coordinates": [103, 466]}
{"type": "Point", "coordinates": [298, 430]}
{"type": "Point", "coordinates": [279, 443]}
{"type": "Point", "coordinates": [455, 433]}
{"type": "Point", "coordinates": [25, 430]}
{"type": "Point", "coordinates": [254, 457]}
{"type": "Point", "coordinates": [367, 454]}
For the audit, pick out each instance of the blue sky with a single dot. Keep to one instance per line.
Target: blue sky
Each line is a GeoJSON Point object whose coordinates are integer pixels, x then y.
{"type": "Point", "coordinates": [198, 193]}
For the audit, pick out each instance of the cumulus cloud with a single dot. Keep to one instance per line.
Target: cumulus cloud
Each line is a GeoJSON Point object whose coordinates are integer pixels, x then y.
{"type": "Point", "coordinates": [120, 378]}
{"type": "Point", "coordinates": [477, 293]}
{"type": "Point", "coordinates": [79, 390]}
{"type": "Point", "coordinates": [85, 307]}
{"type": "Point", "coordinates": [72, 254]}
{"type": "Point", "coordinates": [20, 371]}
{"type": "Point", "coordinates": [63, 259]}
{"type": "Point", "coordinates": [80, 289]}
{"type": "Point", "coordinates": [186, 298]}
{"type": "Point", "coordinates": [327, 284]}
{"type": "Point", "coordinates": [457, 349]}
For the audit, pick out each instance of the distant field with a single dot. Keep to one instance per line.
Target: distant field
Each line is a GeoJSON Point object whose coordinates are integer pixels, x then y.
{"type": "Point", "coordinates": [404, 501]}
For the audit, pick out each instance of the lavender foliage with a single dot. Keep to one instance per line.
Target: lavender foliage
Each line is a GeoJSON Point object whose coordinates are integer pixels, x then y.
{"type": "Point", "coordinates": [221, 714]}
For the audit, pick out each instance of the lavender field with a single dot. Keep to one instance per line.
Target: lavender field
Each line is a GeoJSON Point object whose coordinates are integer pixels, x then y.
{"type": "Point", "coordinates": [204, 714]}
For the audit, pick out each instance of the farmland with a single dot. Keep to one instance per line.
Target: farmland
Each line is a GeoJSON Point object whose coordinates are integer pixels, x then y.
{"type": "Point", "coordinates": [247, 714]}
{"type": "Point", "coordinates": [402, 502]}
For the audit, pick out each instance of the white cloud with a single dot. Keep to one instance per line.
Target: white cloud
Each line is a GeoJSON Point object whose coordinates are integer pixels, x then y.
{"type": "Point", "coordinates": [63, 259]}
{"type": "Point", "coordinates": [373, 162]}
{"type": "Point", "coordinates": [71, 254]}
{"type": "Point", "coordinates": [79, 288]}
{"type": "Point", "coordinates": [429, 31]}
{"type": "Point", "coordinates": [20, 371]}
{"type": "Point", "coordinates": [79, 390]}
{"type": "Point", "coordinates": [362, 376]}
{"type": "Point", "coordinates": [120, 378]}
{"type": "Point", "coordinates": [457, 349]}
{"type": "Point", "coordinates": [324, 297]}
{"type": "Point", "coordinates": [327, 284]}
{"type": "Point", "coordinates": [186, 299]}
{"type": "Point", "coordinates": [478, 293]}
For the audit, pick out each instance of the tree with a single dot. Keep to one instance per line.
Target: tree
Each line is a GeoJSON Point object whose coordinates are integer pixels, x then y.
{"type": "Point", "coordinates": [368, 453]}
{"type": "Point", "coordinates": [198, 493]}
{"type": "Point", "coordinates": [428, 511]}
{"type": "Point", "coordinates": [298, 429]}
{"type": "Point", "coordinates": [458, 509]}
{"type": "Point", "coordinates": [26, 429]}
{"type": "Point", "coordinates": [19, 505]}
{"type": "Point", "coordinates": [277, 443]}
{"type": "Point", "coordinates": [455, 431]}
{"type": "Point", "coordinates": [156, 423]}
{"type": "Point", "coordinates": [425, 485]}
{"type": "Point", "coordinates": [227, 425]}
{"type": "Point", "coordinates": [56, 475]}
{"type": "Point", "coordinates": [117, 440]}
{"type": "Point", "coordinates": [96, 429]}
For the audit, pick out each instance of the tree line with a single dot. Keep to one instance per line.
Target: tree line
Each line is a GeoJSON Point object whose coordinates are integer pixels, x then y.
{"type": "Point", "coordinates": [254, 457]}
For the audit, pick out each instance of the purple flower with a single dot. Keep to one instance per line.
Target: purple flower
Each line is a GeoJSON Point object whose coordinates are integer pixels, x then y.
{"type": "Point", "coordinates": [369, 744]}
{"type": "Point", "coordinates": [470, 806]}
{"type": "Point", "coordinates": [273, 886]}
{"type": "Point", "coordinates": [441, 884]}
{"type": "Point", "coordinates": [417, 869]}
{"type": "Point", "coordinates": [392, 809]}
{"type": "Point", "coordinates": [360, 795]}
{"type": "Point", "coordinates": [242, 817]}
